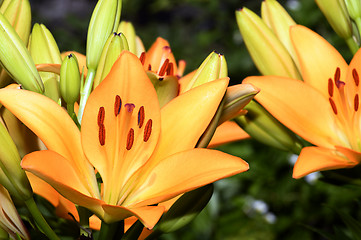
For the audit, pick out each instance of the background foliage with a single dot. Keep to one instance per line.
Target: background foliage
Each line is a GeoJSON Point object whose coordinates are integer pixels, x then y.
{"type": "Point", "coordinates": [265, 202]}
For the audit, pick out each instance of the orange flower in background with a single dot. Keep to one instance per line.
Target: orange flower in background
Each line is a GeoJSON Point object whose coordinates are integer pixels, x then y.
{"type": "Point", "coordinates": [144, 154]}
{"type": "Point", "coordinates": [323, 109]}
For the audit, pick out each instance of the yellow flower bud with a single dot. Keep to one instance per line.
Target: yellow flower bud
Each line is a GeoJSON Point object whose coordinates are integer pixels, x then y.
{"type": "Point", "coordinates": [115, 44]}
{"type": "Point", "coordinates": [266, 50]}
{"type": "Point", "coordinates": [16, 59]}
{"type": "Point", "coordinates": [104, 21]}
{"type": "Point", "coordinates": [263, 127]}
{"type": "Point", "coordinates": [12, 176]}
{"type": "Point", "coordinates": [43, 49]}
{"type": "Point", "coordinates": [18, 13]}
{"type": "Point", "coordinates": [212, 68]}
{"type": "Point", "coordinates": [70, 79]}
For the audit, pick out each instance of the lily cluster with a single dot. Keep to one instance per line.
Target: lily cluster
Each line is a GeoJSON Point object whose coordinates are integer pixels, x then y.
{"type": "Point", "coordinates": [113, 138]}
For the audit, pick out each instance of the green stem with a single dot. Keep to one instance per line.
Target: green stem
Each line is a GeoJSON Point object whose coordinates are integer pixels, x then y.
{"type": "Point", "coordinates": [39, 219]}
{"type": "Point", "coordinates": [85, 92]}
{"type": "Point", "coordinates": [70, 109]}
{"type": "Point", "coordinates": [84, 215]}
{"type": "Point", "coordinates": [111, 230]}
{"type": "Point", "coordinates": [352, 45]}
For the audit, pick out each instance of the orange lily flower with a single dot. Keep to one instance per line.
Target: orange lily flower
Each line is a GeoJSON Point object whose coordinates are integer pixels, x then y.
{"type": "Point", "coordinates": [227, 132]}
{"type": "Point", "coordinates": [323, 109]}
{"type": "Point", "coordinates": [144, 154]}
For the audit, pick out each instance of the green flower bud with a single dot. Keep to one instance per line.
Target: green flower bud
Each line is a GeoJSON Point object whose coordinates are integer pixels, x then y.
{"type": "Point", "coordinates": [336, 14]}
{"type": "Point", "coordinates": [129, 32]}
{"type": "Point", "coordinates": [166, 87]}
{"type": "Point", "coordinates": [279, 21]}
{"type": "Point", "coordinates": [43, 49]}
{"type": "Point", "coordinates": [115, 44]}
{"type": "Point", "coordinates": [104, 21]}
{"type": "Point", "coordinates": [12, 176]}
{"type": "Point", "coordinates": [18, 13]}
{"type": "Point", "coordinates": [266, 50]}
{"type": "Point", "coordinates": [212, 68]}
{"type": "Point", "coordinates": [263, 127]}
{"type": "Point", "coordinates": [185, 209]}
{"type": "Point", "coordinates": [353, 9]}
{"type": "Point", "coordinates": [70, 79]}
{"type": "Point", "coordinates": [16, 59]}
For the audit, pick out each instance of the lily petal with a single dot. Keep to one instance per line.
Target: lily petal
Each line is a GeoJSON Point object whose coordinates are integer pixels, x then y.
{"type": "Point", "coordinates": [299, 107]}
{"type": "Point", "coordinates": [227, 132]}
{"type": "Point", "coordinates": [316, 70]}
{"type": "Point", "coordinates": [148, 215]}
{"type": "Point", "coordinates": [122, 108]}
{"type": "Point", "coordinates": [314, 159]}
{"type": "Point", "coordinates": [183, 172]}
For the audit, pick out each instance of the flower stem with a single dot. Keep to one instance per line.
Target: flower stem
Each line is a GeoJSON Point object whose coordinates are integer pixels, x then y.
{"type": "Point", "coordinates": [39, 219]}
{"type": "Point", "coordinates": [352, 45]}
{"type": "Point", "coordinates": [85, 92]}
{"type": "Point", "coordinates": [111, 230]}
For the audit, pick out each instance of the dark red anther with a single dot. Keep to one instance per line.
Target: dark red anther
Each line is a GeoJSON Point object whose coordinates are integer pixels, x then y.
{"type": "Point", "coordinates": [355, 77]}
{"type": "Point", "coordinates": [102, 134]}
{"type": "Point", "coordinates": [337, 74]}
{"type": "Point", "coordinates": [330, 87]}
{"type": "Point", "coordinates": [117, 105]}
{"type": "Point", "coordinates": [130, 139]}
{"type": "Point", "coordinates": [149, 67]}
{"type": "Point", "coordinates": [147, 130]}
{"type": "Point", "coordinates": [142, 58]}
{"type": "Point", "coordinates": [356, 102]}
{"type": "Point", "coordinates": [141, 116]}
{"type": "Point", "coordinates": [170, 69]}
{"type": "Point", "coordinates": [101, 116]}
{"type": "Point", "coordinates": [333, 105]}
{"type": "Point", "coordinates": [164, 68]}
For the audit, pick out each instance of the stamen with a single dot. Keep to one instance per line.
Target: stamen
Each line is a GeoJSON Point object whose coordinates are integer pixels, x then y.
{"type": "Point", "coordinates": [102, 134]}
{"type": "Point", "coordinates": [149, 67]}
{"type": "Point", "coordinates": [141, 116]}
{"type": "Point", "coordinates": [117, 105]}
{"type": "Point", "coordinates": [333, 105]}
{"type": "Point", "coordinates": [129, 107]}
{"type": "Point", "coordinates": [130, 139]}
{"type": "Point", "coordinates": [356, 102]}
{"type": "Point", "coordinates": [164, 68]}
{"type": "Point", "coordinates": [142, 58]}
{"type": "Point", "coordinates": [330, 87]}
{"type": "Point", "coordinates": [337, 74]}
{"type": "Point", "coordinates": [355, 77]}
{"type": "Point", "coordinates": [170, 69]}
{"type": "Point", "coordinates": [147, 130]}
{"type": "Point", "coordinates": [101, 116]}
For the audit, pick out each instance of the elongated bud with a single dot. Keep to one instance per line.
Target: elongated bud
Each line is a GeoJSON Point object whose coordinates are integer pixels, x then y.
{"type": "Point", "coordinates": [18, 13]}
{"type": "Point", "coordinates": [104, 21]}
{"type": "Point", "coordinates": [128, 30]}
{"type": "Point", "coordinates": [185, 209]}
{"type": "Point", "coordinates": [212, 68]}
{"type": "Point", "coordinates": [44, 49]}
{"type": "Point", "coordinates": [12, 176]}
{"type": "Point", "coordinates": [16, 59]}
{"type": "Point", "coordinates": [115, 44]}
{"type": "Point", "coordinates": [81, 60]}
{"type": "Point", "coordinates": [266, 50]}
{"type": "Point", "coordinates": [166, 87]}
{"type": "Point", "coordinates": [279, 21]}
{"type": "Point", "coordinates": [336, 14]}
{"type": "Point", "coordinates": [353, 9]}
{"type": "Point", "coordinates": [263, 127]}
{"type": "Point", "coordinates": [70, 79]}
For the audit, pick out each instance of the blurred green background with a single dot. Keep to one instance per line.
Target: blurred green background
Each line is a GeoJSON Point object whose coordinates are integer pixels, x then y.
{"type": "Point", "coordinates": [265, 202]}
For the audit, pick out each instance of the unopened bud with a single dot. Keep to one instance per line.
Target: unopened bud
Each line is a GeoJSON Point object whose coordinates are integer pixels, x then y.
{"type": "Point", "coordinates": [70, 79]}
{"type": "Point", "coordinates": [16, 59]}
{"type": "Point", "coordinates": [115, 44]}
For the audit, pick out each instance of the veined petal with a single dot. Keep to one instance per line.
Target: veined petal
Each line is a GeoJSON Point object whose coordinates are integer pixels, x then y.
{"type": "Point", "coordinates": [121, 124]}
{"type": "Point", "coordinates": [61, 175]}
{"type": "Point", "coordinates": [318, 59]}
{"type": "Point", "coordinates": [53, 126]}
{"type": "Point", "coordinates": [183, 172]}
{"type": "Point", "coordinates": [227, 132]}
{"type": "Point", "coordinates": [299, 107]}
{"type": "Point", "coordinates": [185, 118]}
{"type": "Point", "coordinates": [314, 159]}
{"type": "Point", "coordinates": [353, 78]}
{"type": "Point", "coordinates": [148, 215]}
